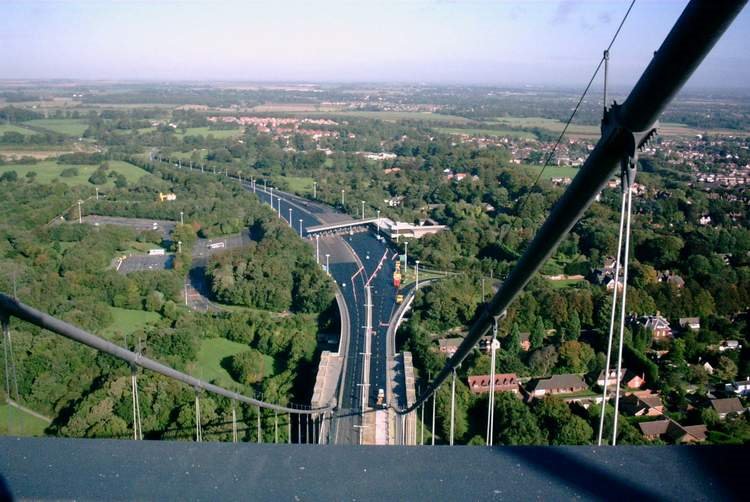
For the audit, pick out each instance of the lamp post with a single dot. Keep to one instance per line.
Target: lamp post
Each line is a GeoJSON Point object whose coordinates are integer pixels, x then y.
{"type": "Point", "coordinates": [290, 217]}
{"type": "Point", "coordinates": [378, 221]}
{"type": "Point", "coordinates": [181, 220]}
{"type": "Point", "coordinates": [453, 406]}
{"type": "Point", "coordinates": [315, 189]}
{"type": "Point", "coordinates": [271, 197]}
{"type": "Point", "coordinates": [317, 249]}
{"type": "Point", "coordinates": [80, 219]}
{"type": "Point", "coordinates": [328, 269]}
{"type": "Point", "coordinates": [342, 197]}
{"type": "Point", "coordinates": [406, 257]}
{"type": "Point", "coordinates": [300, 227]}
{"type": "Point", "coordinates": [97, 193]}
{"type": "Point", "coordinates": [363, 210]}
{"type": "Point", "coordinates": [416, 273]}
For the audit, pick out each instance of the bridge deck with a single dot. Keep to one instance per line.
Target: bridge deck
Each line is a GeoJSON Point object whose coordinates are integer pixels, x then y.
{"type": "Point", "coordinates": [129, 470]}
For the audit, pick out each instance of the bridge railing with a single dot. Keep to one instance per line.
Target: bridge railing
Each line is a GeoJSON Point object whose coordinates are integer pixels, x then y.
{"type": "Point", "coordinates": [11, 307]}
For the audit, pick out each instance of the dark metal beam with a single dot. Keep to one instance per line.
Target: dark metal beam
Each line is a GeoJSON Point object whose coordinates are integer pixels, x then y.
{"type": "Point", "coordinates": [11, 307]}
{"type": "Point", "coordinates": [694, 34]}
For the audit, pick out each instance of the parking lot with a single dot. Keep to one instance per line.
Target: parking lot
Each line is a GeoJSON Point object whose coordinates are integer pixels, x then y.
{"type": "Point", "coordinates": [165, 227]}
{"type": "Point", "coordinates": [137, 263]}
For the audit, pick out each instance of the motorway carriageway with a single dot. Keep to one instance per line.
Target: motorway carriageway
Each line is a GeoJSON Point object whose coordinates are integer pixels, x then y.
{"type": "Point", "coordinates": [350, 273]}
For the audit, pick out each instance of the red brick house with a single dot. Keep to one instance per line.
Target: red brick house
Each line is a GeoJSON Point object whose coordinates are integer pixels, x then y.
{"type": "Point", "coordinates": [504, 382]}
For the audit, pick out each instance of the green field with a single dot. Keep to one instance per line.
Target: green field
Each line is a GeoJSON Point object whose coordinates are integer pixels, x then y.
{"type": "Point", "coordinates": [551, 125]}
{"type": "Point", "coordinates": [511, 133]}
{"type": "Point", "coordinates": [15, 422]}
{"type": "Point", "coordinates": [212, 351]}
{"type": "Point", "coordinates": [205, 131]}
{"type": "Point", "coordinates": [49, 170]}
{"type": "Point", "coordinates": [187, 155]}
{"type": "Point", "coordinates": [551, 171]}
{"type": "Point", "coordinates": [565, 283]}
{"type": "Point", "coordinates": [297, 184]}
{"type": "Point", "coordinates": [127, 321]}
{"type": "Point", "coordinates": [12, 128]}
{"type": "Point", "coordinates": [69, 127]}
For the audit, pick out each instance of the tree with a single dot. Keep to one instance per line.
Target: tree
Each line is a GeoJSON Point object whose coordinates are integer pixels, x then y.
{"type": "Point", "coordinates": [726, 370]}
{"type": "Point", "coordinates": [575, 356]}
{"type": "Point", "coordinates": [543, 360]}
{"type": "Point", "coordinates": [573, 326]}
{"type": "Point", "coordinates": [537, 334]}
{"type": "Point", "coordinates": [513, 340]}
{"type": "Point", "coordinates": [246, 367]}
{"type": "Point", "coordinates": [514, 423]}
{"type": "Point", "coordinates": [9, 176]}
{"type": "Point", "coordinates": [575, 431]}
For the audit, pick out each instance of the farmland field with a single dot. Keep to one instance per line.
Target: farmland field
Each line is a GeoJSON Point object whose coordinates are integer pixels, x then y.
{"type": "Point", "coordinates": [205, 131]}
{"type": "Point", "coordinates": [512, 133]}
{"type": "Point", "coordinates": [551, 171]}
{"type": "Point", "coordinates": [551, 125]}
{"type": "Point", "coordinates": [69, 127]}
{"type": "Point", "coordinates": [392, 116]}
{"type": "Point", "coordinates": [49, 170]}
{"type": "Point", "coordinates": [12, 128]}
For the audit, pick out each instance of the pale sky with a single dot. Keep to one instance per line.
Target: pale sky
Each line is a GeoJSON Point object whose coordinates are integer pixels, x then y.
{"type": "Point", "coordinates": [503, 42]}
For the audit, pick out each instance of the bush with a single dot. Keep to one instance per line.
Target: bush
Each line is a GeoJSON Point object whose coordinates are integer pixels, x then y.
{"type": "Point", "coordinates": [246, 367]}
{"type": "Point", "coordinates": [69, 172]}
{"type": "Point", "coordinates": [9, 176]}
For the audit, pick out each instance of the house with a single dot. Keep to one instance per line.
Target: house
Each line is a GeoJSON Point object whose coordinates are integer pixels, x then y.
{"type": "Point", "coordinates": [642, 404]}
{"type": "Point", "coordinates": [709, 369]}
{"type": "Point", "coordinates": [658, 326]}
{"type": "Point", "coordinates": [449, 346]}
{"type": "Point", "coordinates": [558, 384]}
{"type": "Point", "coordinates": [691, 323]}
{"type": "Point", "coordinates": [729, 345]}
{"type": "Point", "coordinates": [612, 378]}
{"type": "Point", "coordinates": [741, 387]}
{"type": "Point", "coordinates": [167, 197]}
{"type": "Point", "coordinates": [670, 430]}
{"type": "Point", "coordinates": [504, 382]}
{"type": "Point", "coordinates": [523, 343]}
{"type": "Point", "coordinates": [724, 407]}
{"type": "Point", "coordinates": [672, 279]}
{"type": "Point", "coordinates": [610, 284]}
{"type": "Point", "coordinates": [395, 201]}
{"type": "Point", "coordinates": [632, 380]}
{"type": "Point", "coordinates": [485, 344]}
{"type": "Point", "coordinates": [653, 430]}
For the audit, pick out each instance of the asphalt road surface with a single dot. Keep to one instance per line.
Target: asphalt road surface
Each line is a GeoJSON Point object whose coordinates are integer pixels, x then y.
{"type": "Point", "coordinates": [138, 263]}
{"type": "Point", "coordinates": [165, 227]}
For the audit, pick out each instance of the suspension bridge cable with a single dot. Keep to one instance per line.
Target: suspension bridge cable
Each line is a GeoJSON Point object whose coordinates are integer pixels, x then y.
{"type": "Point", "coordinates": [612, 316]}
{"type": "Point", "coordinates": [450, 364]}
{"type": "Point", "coordinates": [622, 308]}
{"type": "Point", "coordinates": [551, 153]}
